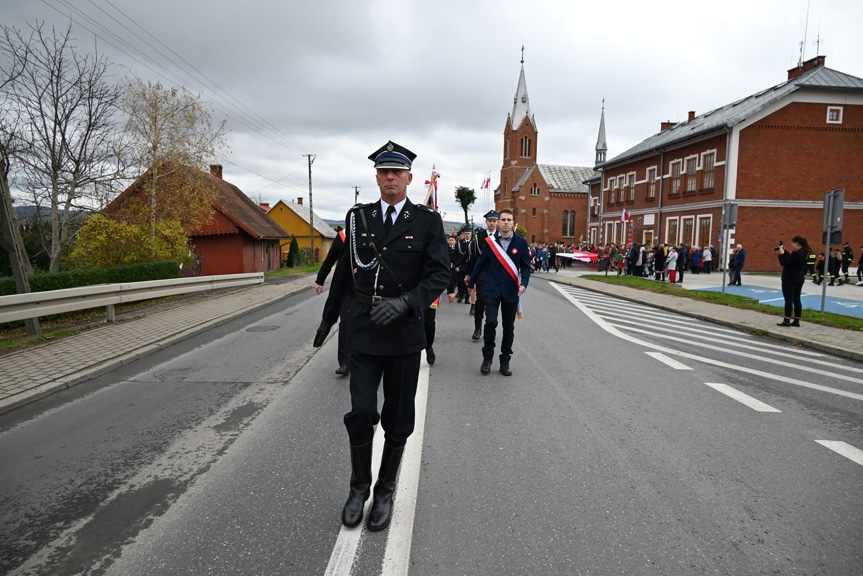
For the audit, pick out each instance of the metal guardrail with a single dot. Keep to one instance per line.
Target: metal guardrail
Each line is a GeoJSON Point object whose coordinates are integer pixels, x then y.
{"type": "Point", "coordinates": [36, 304]}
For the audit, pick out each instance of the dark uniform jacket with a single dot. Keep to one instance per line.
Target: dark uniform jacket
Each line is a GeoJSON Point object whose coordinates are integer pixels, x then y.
{"type": "Point", "coordinates": [498, 282]}
{"type": "Point", "coordinates": [415, 252]}
{"type": "Point", "coordinates": [331, 259]}
{"type": "Point", "coordinates": [793, 266]}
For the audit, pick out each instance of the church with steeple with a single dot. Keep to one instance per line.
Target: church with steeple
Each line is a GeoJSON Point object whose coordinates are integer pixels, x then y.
{"type": "Point", "coordinates": [549, 201]}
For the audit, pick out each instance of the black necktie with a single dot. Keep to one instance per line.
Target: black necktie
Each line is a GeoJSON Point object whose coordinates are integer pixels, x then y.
{"type": "Point", "coordinates": [388, 220]}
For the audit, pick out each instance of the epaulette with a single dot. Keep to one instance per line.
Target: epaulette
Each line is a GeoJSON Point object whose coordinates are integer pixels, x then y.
{"type": "Point", "coordinates": [423, 207]}
{"type": "Point", "coordinates": [360, 205]}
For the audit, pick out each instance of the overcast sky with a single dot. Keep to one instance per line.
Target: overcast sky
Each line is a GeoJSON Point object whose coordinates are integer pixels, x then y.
{"type": "Point", "coordinates": [339, 78]}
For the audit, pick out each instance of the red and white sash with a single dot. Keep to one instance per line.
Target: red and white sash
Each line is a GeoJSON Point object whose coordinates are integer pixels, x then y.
{"type": "Point", "coordinates": [508, 265]}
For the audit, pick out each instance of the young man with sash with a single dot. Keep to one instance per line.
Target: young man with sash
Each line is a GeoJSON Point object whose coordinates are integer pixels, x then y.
{"type": "Point", "coordinates": [508, 263]}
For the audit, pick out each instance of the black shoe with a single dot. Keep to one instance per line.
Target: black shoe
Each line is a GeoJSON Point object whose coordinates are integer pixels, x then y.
{"type": "Point", "coordinates": [504, 369]}
{"type": "Point", "coordinates": [430, 357]}
{"type": "Point", "coordinates": [477, 334]}
{"type": "Point", "coordinates": [785, 322]}
{"type": "Point", "coordinates": [795, 323]}
{"type": "Point", "coordinates": [485, 368]}
{"type": "Point", "coordinates": [459, 299]}
{"type": "Point", "coordinates": [343, 370]}
{"type": "Point", "coordinates": [472, 308]}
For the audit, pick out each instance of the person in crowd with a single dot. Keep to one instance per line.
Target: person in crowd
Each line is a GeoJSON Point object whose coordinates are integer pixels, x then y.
{"type": "Point", "coordinates": [835, 268]}
{"type": "Point", "coordinates": [390, 290]}
{"type": "Point", "coordinates": [671, 264]}
{"type": "Point", "coordinates": [847, 260]}
{"type": "Point", "coordinates": [811, 261]}
{"type": "Point", "coordinates": [820, 263]}
{"type": "Point", "coordinates": [430, 321]}
{"type": "Point", "coordinates": [480, 246]}
{"type": "Point", "coordinates": [461, 264]}
{"type": "Point", "coordinates": [508, 263]}
{"type": "Point", "coordinates": [707, 258]}
{"type": "Point", "coordinates": [344, 350]}
{"type": "Point", "coordinates": [737, 263]}
{"type": "Point", "coordinates": [793, 264]}
{"type": "Point", "coordinates": [659, 258]}
{"type": "Point", "coordinates": [696, 260]}
{"type": "Point", "coordinates": [860, 268]}
{"type": "Point", "coordinates": [682, 261]}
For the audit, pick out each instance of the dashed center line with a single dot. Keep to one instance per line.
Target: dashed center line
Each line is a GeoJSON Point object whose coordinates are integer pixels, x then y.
{"type": "Point", "coordinates": [744, 399]}
{"type": "Point", "coordinates": [668, 361]}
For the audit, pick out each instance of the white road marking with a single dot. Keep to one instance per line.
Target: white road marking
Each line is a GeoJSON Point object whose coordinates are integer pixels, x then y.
{"type": "Point", "coordinates": [669, 361]}
{"type": "Point", "coordinates": [744, 399]}
{"type": "Point", "coordinates": [847, 450]}
{"type": "Point", "coordinates": [614, 331]}
{"type": "Point", "coordinates": [400, 531]}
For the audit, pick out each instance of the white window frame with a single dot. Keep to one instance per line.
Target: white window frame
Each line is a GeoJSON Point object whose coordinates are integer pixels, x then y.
{"type": "Point", "coordinates": [839, 112]}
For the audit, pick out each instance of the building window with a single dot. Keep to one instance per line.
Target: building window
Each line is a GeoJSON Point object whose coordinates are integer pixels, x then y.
{"type": "Point", "coordinates": [691, 167]}
{"type": "Point", "coordinates": [568, 224]}
{"type": "Point", "coordinates": [612, 190]}
{"type": "Point", "coordinates": [708, 162]}
{"type": "Point", "coordinates": [688, 232]}
{"type": "Point", "coordinates": [671, 231]}
{"type": "Point", "coordinates": [651, 183]}
{"type": "Point", "coordinates": [506, 149]}
{"type": "Point", "coordinates": [620, 185]}
{"type": "Point", "coordinates": [534, 191]}
{"type": "Point", "coordinates": [675, 177]}
{"type": "Point", "coordinates": [533, 212]}
{"type": "Point", "coordinates": [525, 147]}
{"type": "Point", "coordinates": [704, 224]}
{"type": "Point", "coordinates": [834, 114]}
{"type": "Point", "coordinates": [630, 186]}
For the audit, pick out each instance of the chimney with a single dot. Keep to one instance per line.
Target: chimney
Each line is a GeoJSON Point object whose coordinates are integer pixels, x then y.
{"type": "Point", "coordinates": [265, 206]}
{"type": "Point", "coordinates": [216, 170]}
{"type": "Point", "coordinates": [817, 62]}
{"type": "Point", "coordinates": [691, 116]}
{"type": "Point", "coordinates": [668, 124]}
{"type": "Point", "coordinates": [300, 200]}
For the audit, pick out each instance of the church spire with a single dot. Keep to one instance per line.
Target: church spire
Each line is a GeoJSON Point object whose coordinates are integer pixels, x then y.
{"type": "Point", "coordinates": [521, 102]}
{"type": "Point", "coordinates": [601, 145]}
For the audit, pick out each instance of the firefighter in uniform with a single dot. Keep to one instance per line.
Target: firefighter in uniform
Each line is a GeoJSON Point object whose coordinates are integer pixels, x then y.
{"type": "Point", "coordinates": [393, 266]}
{"type": "Point", "coordinates": [344, 350]}
{"type": "Point", "coordinates": [478, 247]}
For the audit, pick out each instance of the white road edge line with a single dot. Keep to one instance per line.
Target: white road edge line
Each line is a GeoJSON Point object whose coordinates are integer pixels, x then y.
{"type": "Point", "coordinates": [699, 358]}
{"type": "Point", "coordinates": [400, 530]}
{"type": "Point", "coordinates": [844, 449]}
{"type": "Point", "coordinates": [668, 360]}
{"type": "Point", "coordinates": [744, 399]}
{"type": "Point", "coordinates": [398, 552]}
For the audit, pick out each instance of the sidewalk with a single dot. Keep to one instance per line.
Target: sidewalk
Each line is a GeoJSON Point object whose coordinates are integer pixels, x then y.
{"type": "Point", "coordinates": [31, 374]}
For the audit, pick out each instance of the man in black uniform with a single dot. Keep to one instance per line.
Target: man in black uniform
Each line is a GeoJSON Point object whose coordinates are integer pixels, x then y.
{"type": "Point", "coordinates": [461, 268]}
{"type": "Point", "coordinates": [478, 246]}
{"type": "Point", "coordinates": [344, 350]}
{"type": "Point", "coordinates": [393, 266]}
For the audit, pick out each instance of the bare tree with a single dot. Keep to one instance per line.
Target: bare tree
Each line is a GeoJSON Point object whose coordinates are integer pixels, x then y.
{"type": "Point", "coordinates": [169, 130]}
{"type": "Point", "coordinates": [67, 110]}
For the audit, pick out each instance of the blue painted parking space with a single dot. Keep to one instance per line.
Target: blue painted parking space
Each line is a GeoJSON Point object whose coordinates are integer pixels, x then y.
{"type": "Point", "coordinates": [811, 299]}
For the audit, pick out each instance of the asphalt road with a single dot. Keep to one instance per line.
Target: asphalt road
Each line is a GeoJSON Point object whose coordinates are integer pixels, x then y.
{"type": "Point", "coordinates": [628, 441]}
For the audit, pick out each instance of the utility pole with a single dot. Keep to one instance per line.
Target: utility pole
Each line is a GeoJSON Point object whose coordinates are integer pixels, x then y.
{"type": "Point", "coordinates": [356, 193]}
{"type": "Point", "coordinates": [311, 158]}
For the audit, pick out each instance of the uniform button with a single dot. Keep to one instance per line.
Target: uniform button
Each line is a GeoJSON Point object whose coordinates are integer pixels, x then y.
{"type": "Point", "coordinates": [381, 287]}
{"type": "Point", "coordinates": [385, 248]}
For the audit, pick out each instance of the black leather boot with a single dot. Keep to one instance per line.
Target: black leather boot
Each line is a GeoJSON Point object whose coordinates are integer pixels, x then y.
{"type": "Point", "coordinates": [361, 482]}
{"type": "Point", "coordinates": [385, 487]}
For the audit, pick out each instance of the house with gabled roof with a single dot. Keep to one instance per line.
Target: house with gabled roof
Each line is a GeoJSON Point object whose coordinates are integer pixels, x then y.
{"type": "Point", "coordinates": [549, 201]}
{"type": "Point", "coordinates": [239, 238]}
{"type": "Point", "coordinates": [773, 154]}
{"type": "Point", "coordinates": [299, 221]}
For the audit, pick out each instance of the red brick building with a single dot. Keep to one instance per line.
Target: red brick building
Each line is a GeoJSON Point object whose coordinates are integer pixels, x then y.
{"type": "Point", "coordinates": [774, 154]}
{"type": "Point", "coordinates": [549, 201]}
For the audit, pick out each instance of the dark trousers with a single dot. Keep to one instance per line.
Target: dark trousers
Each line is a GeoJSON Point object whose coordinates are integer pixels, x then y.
{"type": "Point", "coordinates": [791, 293]}
{"type": "Point", "coordinates": [430, 315]}
{"type": "Point", "coordinates": [479, 309]}
{"type": "Point", "coordinates": [399, 374]}
{"type": "Point", "coordinates": [507, 318]}
{"type": "Point", "coordinates": [344, 353]}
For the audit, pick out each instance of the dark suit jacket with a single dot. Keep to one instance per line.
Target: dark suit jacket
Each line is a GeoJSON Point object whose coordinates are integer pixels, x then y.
{"type": "Point", "coordinates": [498, 282]}
{"type": "Point", "coordinates": [415, 251]}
